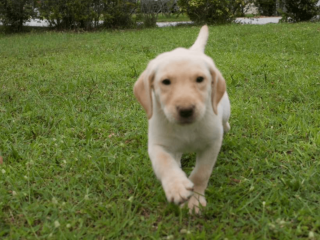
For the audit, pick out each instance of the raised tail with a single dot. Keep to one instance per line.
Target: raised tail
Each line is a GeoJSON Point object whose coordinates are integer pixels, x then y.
{"type": "Point", "coordinates": [200, 43]}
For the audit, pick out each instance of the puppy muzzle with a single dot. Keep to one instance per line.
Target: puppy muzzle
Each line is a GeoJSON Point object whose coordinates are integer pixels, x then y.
{"type": "Point", "coordinates": [186, 115]}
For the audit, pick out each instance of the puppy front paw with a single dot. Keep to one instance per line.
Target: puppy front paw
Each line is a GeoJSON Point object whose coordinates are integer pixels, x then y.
{"type": "Point", "coordinates": [178, 189]}
{"type": "Point", "coordinates": [194, 203]}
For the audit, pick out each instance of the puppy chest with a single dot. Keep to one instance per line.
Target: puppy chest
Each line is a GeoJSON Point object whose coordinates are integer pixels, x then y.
{"type": "Point", "coordinates": [187, 140]}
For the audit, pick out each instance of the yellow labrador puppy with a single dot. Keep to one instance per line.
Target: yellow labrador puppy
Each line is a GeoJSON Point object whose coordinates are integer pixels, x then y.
{"type": "Point", "coordinates": [185, 98]}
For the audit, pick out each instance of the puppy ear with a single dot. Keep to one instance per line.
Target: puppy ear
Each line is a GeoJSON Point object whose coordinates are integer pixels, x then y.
{"type": "Point", "coordinates": [142, 91]}
{"type": "Point", "coordinates": [201, 41]}
{"type": "Point", "coordinates": [218, 89]}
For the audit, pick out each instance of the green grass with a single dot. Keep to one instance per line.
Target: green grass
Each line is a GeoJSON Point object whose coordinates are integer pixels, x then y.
{"type": "Point", "coordinates": [74, 139]}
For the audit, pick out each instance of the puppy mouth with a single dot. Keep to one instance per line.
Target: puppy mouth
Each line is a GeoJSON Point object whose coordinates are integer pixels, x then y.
{"type": "Point", "coordinates": [186, 121]}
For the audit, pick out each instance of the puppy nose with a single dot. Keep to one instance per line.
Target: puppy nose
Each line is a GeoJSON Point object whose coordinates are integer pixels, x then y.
{"type": "Point", "coordinates": [185, 112]}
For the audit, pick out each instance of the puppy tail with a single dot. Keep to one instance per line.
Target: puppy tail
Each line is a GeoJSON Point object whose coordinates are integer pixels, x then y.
{"type": "Point", "coordinates": [200, 43]}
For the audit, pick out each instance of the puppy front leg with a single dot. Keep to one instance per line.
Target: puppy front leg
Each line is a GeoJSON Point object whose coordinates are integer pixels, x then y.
{"type": "Point", "coordinates": [201, 174]}
{"type": "Point", "coordinates": [177, 187]}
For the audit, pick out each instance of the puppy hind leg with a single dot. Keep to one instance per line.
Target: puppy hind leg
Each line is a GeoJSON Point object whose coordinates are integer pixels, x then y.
{"type": "Point", "coordinates": [201, 174]}
{"type": "Point", "coordinates": [226, 127]}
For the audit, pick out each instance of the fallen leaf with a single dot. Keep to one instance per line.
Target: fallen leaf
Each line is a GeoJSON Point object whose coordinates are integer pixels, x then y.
{"type": "Point", "coordinates": [235, 180]}
{"type": "Point", "coordinates": [112, 134]}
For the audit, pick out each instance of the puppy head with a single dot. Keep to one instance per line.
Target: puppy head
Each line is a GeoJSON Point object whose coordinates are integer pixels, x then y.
{"type": "Point", "coordinates": [185, 83]}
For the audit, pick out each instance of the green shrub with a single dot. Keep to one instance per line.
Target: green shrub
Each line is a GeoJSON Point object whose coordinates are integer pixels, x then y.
{"type": "Point", "coordinates": [149, 19]}
{"type": "Point", "coordinates": [267, 7]}
{"type": "Point", "coordinates": [14, 13]}
{"type": "Point", "coordinates": [118, 13]}
{"type": "Point", "coordinates": [211, 11]}
{"type": "Point", "coordinates": [69, 14]}
{"type": "Point", "coordinates": [148, 12]}
{"type": "Point", "coordinates": [300, 10]}
{"type": "Point", "coordinates": [86, 14]}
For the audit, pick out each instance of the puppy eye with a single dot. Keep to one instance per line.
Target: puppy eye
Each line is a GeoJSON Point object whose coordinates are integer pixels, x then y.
{"type": "Point", "coordinates": [166, 82]}
{"type": "Point", "coordinates": [199, 79]}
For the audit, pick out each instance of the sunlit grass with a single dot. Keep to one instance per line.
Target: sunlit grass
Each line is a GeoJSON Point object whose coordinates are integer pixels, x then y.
{"type": "Point", "coordinates": [74, 139]}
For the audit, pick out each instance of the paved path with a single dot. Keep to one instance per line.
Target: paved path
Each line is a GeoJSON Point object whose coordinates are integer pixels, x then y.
{"type": "Point", "coordinates": [264, 20]}
{"type": "Point", "coordinates": [172, 24]}
{"type": "Point", "coordinates": [260, 21]}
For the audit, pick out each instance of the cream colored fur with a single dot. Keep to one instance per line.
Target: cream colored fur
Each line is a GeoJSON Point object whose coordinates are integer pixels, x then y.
{"type": "Point", "coordinates": [185, 98]}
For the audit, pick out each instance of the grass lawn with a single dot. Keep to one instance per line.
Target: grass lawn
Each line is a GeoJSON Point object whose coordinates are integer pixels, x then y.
{"type": "Point", "coordinates": [74, 139]}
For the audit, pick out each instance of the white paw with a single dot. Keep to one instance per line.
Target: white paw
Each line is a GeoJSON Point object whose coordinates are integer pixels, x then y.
{"type": "Point", "coordinates": [194, 203]}
{"type": "Point", "coordinates": [178, 189]}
